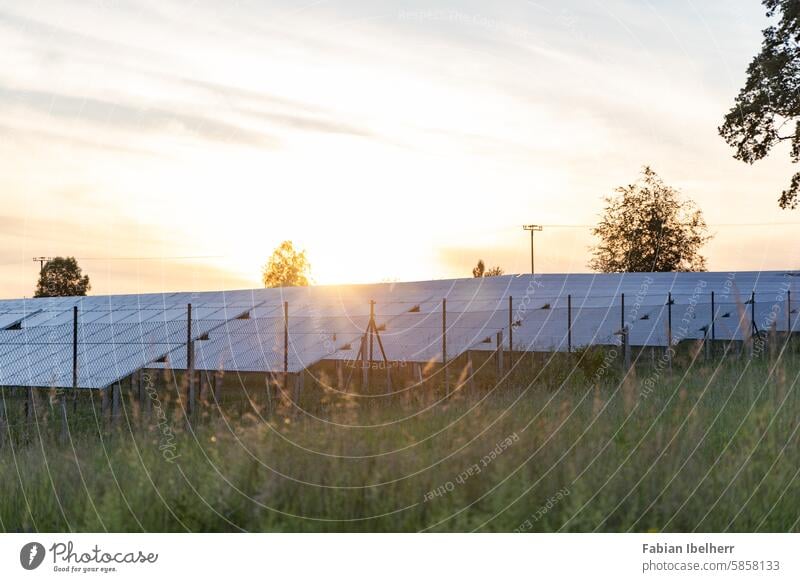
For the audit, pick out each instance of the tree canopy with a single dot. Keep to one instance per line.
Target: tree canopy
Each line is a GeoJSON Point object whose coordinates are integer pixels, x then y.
{"type": "Point", "coordinates": [286, 267]}
{"type": "Point", "coordinates": [62, 277]}
{"type": "Point", "coordinates": [480, 270]}
{"type": "Point", "coordinates": [767, 110]}
{"type": "Point", "coordinates": [647, 227]}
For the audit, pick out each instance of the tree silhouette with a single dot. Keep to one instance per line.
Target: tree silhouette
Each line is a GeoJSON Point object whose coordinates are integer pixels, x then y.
{"type": "Point", "coordinates": [286, 267]}
{"type": "Point", "coordinates": [62, 277]}
{"type": "Point", "coordinates": [767, 110]}
{"type": "Point", "coordinates": [481, 271]}
{"type": "Point", "coordinates": [648, 227]}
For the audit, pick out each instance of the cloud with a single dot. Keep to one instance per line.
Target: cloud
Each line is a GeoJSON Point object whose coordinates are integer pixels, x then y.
{"type": "Point", "coordinates": [310, 123]}
{"type": "Point", "coordinates": [48, 37]}
{"type": "Point", "coordinates": [284, 112]}
{"type": "Point", "coordinates": [114, 114]}
{"type": "Point", "coordinates": [16, 133]}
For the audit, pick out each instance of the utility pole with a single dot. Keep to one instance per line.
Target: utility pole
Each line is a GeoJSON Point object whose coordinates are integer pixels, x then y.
{"type": "Point", "coordinates": [41, 261]}
{"type": "Point", "coordinates": [533, 228]}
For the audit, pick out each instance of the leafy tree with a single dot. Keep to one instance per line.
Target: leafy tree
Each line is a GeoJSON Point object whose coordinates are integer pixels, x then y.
{"type": "Point", "coordinates": [62, 277]}
{"type": "Point", "coordinates": [648, 227]}
{"type": "Point", "coordinates": [481, 271]}
{"type": "Point", "coordinates": [286, 267]}
{"type": "Point", "coordinates": [767, 110]}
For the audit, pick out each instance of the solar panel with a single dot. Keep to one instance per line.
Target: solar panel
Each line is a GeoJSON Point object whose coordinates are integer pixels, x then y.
{"type": "Point", "coordinates": [242, 330]}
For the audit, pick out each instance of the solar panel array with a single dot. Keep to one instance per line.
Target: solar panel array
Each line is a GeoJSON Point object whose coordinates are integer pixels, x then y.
{"type": "Point", "coordinates": [244, 330]}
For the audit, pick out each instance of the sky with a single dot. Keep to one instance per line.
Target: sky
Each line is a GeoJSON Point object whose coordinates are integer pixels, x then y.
{"type": "Point", "coordinates": [173, 145]}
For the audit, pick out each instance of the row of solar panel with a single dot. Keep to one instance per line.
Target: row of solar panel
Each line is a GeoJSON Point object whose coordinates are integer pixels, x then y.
{"type": "Point", "coordinates": [243, 330]}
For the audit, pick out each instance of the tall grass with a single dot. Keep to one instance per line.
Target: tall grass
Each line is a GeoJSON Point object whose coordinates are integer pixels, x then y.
{"type": "Point", "coordinates": [711, 446]}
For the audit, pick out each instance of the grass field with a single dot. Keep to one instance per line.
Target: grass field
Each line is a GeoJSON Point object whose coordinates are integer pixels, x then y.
{"type": "Point", "coordinates": [561, 446]}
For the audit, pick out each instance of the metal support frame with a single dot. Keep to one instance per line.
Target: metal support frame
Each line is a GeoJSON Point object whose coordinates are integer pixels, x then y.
{"type": "Point", "coordinates": [366, 358]}
{"type": "Point", "coordinates": [754, 333]}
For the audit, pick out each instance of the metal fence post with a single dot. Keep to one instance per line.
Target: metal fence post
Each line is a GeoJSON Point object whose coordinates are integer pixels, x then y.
{"type": "Point", "coordinates": [788, 319]}
{"type": "Point", "coordinates": [753, 327]}
{"type": "Point", "coordinates": [569, 323]}
{"type": "Point", "coordinates": [74, 347]}
{"type": "Point", "coordinates": [370, 327]}
{"type": "Point", "coordinates": [190, 360]}
{"type": "Point", "coordinates": [669, 329]}
{"type": "Point", "coordinates": [63, 396]}
{"type": "Point", "coordinates": [285, 378]}
{"type": "Point", "coordinates": [444, 347]}
{"type": "Point", "coordinates": [510, 333]}
{"type": "Point", "coordinates": [623, 334]}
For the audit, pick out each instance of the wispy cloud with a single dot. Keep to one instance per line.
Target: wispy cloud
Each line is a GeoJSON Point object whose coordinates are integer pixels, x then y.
{"type": "Point", "coordinates": [115, 114]}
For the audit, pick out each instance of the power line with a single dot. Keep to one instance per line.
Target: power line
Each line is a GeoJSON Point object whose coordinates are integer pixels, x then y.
{"type": "Point", "coordinates": [150, 258]}
{"type": "Point", "coordinates": [717, 225]}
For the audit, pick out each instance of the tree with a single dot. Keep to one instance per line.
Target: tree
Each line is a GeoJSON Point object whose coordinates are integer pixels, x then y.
{"type": "Point", "coordinates": [481, 271]}
{"type": "Point", "coordinates": [767, 110]}
{"type": "Point", "coordinates": [648, 227]}
{"type": "Point", "coordinates": [286, 267]}
{"type": "Point", "coordinates": [62, 277]}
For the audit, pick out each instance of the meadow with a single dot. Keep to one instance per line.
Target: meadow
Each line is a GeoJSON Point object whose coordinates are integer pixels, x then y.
{"type": "Point", "coordinates": [563, 443]}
